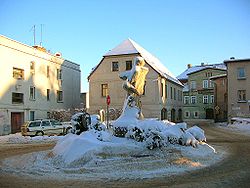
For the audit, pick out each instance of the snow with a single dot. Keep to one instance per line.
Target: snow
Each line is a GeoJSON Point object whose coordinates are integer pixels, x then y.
{"type": "Point", "coordinates": [239, 124]}
{"type": "Point", "coordinates": [96, 155]}
{"type": "Point", "coordinates": [19, 139]}
{"type": "Point", "coordinates": [192, 69]}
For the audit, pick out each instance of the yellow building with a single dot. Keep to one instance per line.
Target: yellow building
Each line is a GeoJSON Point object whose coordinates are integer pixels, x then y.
{"type": "Point", "coordinates": [238, 80]}
{"type": "Point", "coordinates": [34, 82]}
{"type": "Point", "coordinates": [163, 91]}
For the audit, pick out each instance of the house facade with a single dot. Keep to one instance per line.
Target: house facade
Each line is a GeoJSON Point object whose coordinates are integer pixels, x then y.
{"type": "Point", "coordinates": [34, 82]}
{"type": "Point", "coordinates": [238, 72]}
{"type": "Point", "coordinates": [198, 91]}
{"type": "Point", "coordinates": [163, 92]}
{"type": "Point", "coordinates": [220, 97]}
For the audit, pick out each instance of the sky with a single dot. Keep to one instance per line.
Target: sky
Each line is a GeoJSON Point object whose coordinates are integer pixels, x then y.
{"type": "Point", "coordinates": [178, 32]}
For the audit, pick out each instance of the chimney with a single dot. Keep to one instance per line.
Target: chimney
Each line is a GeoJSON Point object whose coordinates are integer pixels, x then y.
{"type": "Point", "coordinates": [189, 65]}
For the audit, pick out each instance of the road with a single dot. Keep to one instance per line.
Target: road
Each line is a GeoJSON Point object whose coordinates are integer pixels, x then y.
{"type": "Point", "coordinates": [233, 171]}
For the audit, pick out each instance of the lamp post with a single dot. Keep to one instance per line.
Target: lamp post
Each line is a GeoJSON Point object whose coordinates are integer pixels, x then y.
{"type": "Point", "coordinates": [108, 103]}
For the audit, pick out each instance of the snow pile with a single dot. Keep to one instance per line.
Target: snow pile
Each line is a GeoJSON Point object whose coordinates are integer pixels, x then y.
{"type": "Point", "coordinates": [239, 124]}
{"type": "Point", "coordinates": [18, 138]}
{"type": "Point", "coordinates": [156, 133]}
{"type": "Point", "coordinates": [138, 136]}
{"type": "Point", "coordinates": [98, 154]}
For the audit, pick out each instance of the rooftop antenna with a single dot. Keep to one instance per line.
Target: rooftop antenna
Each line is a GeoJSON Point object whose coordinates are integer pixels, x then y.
{"type": "Point", "coordinates": [34, 33]}
{"type": "Point", "coordinates": [41, 35]}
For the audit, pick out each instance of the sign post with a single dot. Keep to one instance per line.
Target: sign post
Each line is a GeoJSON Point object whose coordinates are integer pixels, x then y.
{"type": "Point", "coordinates": [108, 103]}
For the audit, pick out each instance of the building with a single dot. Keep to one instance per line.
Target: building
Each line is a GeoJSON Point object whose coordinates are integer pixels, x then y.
{"type": "Point", "coordinates": [238, 74]}
{"type": "Point", "coordinates": [220, 97]}
{"type": "Point", "coordinates": [163, 91]}
{"type": "Point", "coordinates": [198, 91]}
{"type": "Point", "coordinates": [34, 82]}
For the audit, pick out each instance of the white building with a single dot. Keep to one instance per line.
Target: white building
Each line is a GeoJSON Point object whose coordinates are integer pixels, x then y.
{"type": "Point", "coordinates": [34, 82]}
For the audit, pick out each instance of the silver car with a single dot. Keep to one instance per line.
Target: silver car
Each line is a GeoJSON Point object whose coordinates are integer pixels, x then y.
{"type": "Point", "coordinates": [44, 126]}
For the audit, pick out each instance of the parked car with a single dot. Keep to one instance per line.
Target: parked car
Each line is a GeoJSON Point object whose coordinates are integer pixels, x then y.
{"type": "Point", "coordinates": [45, 126]}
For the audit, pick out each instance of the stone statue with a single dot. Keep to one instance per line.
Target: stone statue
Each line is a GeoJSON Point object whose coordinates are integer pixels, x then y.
{"type": "Point", "coordinates": [134, 84]}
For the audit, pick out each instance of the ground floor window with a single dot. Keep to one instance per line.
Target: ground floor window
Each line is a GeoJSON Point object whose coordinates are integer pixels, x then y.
{"type": "Point", "coordinates": [104, 90]}
{"type": "Point", "coordinates": [187, 114]}
{"type": "Point", "coordinates": [196, 114]}
{"type": "Point", "coordinates": [59, 96]}
{"type": "Point", "coordinates": [32, 115]}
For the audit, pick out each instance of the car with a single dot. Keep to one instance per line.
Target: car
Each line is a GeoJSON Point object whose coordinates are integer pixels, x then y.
{"type": "Point", "coordinates": [45, 126]}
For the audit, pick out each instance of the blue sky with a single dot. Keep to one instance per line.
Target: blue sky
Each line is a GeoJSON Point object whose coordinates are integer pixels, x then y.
{"type": "Point", "coordinates": [178, 32]}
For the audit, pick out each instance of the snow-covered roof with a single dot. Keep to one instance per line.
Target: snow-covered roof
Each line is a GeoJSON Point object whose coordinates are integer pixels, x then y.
{"type": "Point", "coordinates": [184, 75]}
{"type": "Point", "coordinates": [131, 47]}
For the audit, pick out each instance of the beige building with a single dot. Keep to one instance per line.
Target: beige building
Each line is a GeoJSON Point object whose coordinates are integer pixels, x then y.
{"type": "Point", "coordinates": [220, 97]}
{"type": "Point", "coordinates": [34, 82]}
{"type": "Point", "coordinates": [163, 91]}
{"type": "Point", "coordinates": [238, 73]}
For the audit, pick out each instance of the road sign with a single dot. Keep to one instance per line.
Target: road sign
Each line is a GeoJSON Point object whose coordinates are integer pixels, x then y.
{"type": "Point", "coordinates": [108, 100]}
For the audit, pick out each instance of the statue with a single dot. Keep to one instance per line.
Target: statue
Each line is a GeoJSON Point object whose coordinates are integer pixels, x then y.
{"type": "Point", "coordinates": [134, 84]}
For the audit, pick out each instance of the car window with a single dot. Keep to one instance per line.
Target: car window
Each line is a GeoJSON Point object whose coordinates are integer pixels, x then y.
{"type": "Point", "coordinates": [55, 122]}
{"type": "Point", "coordinates": [45, 123]}
{"type": "Point", "coordinates": [35, 124]}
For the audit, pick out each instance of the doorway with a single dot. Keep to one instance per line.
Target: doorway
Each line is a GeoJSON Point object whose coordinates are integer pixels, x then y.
{"type": "Point", "coordinates": [17, 119]}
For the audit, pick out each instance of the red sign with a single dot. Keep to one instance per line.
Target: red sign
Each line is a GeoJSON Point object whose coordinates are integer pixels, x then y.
{"type": "Point", "coordinates": [108, 100]}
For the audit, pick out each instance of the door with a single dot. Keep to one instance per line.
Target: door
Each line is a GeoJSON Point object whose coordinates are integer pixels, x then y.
{"type": "Point", "coordinates": [17, 119]}
{"type": "Point", "coordinates": [209, 113]}
{"type": "Point", "coordinates": [173, 115]}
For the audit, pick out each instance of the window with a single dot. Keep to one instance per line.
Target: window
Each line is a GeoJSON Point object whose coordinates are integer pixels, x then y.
{"type": "Point", "coordinates": [32, 67]}
{"type": "Point", "coordinates": [241, 73]}
{"type": "Point", "coordinates": [212, 99]}
{"type": "Point", "coordinates": [45, 123]}
{"type": "Point", "coordinates": [35, 124]}
{"type": "Point", "coordinates": [32, 93]}
{"type": "Point", "coordinates": [241, 95]}
{"type": "Point", "coordinates": [186, 99]}
{"type": "Point", "coordinates": [205, 99]}
{"type": "Point", "coordinates": [32, 115]}
{"type": "Point", "coordinates": [18, 73]}
{"type": "Point", "coordinates": [171, 92]}
{"type": "Point", "coordinates": [59, 96]}
{"type": "Point", "coordinates": [115, 66]}
{"type": "Point", "coordinates": [211, 84]}
{"type": "Point", "coordinates": [59, 74]}
{"type": "Point", "coordinates": [128, 65]}
{"type": "Point", "coordinates": [187, 114]}
{"type": "Point", "coordinates": [193, 85]}
{"type": "Point", "coordinates": [104, 90]}
{"type": "Point", "coordinates": [48, 71]}
{"type": "Point", "coordinates": [205, 83]}
{"type": "Point", "coordinates": [17, 98]}
{"type": "Point", "coordinates": [174, 94]}
{"type": "Point", "coordinates": [196, 114]}
{"type": "Point", "coordinates": [162, 90]}
{"type": "Point", "coordinates": [48, 94]}
{"type": "Point", "coordinates": [166, 91]}
{"type": "Point", "coordinates": [193, 99]}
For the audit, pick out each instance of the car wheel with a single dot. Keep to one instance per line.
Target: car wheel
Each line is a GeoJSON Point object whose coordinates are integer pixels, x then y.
{"type": "Point", "coordinates": [39, 133]}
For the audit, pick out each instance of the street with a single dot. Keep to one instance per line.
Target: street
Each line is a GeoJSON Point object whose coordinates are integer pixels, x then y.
{"type": "Point", "coordinates": [233, 171]}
